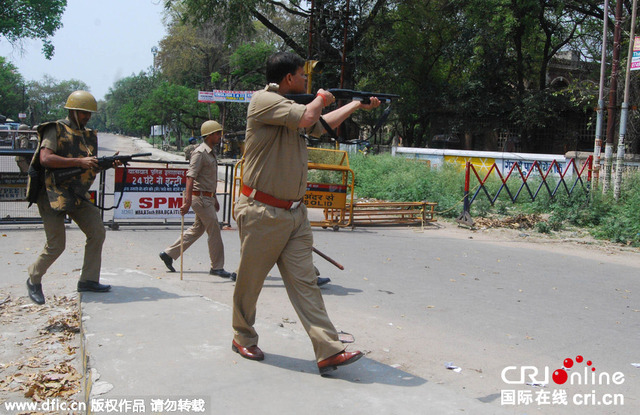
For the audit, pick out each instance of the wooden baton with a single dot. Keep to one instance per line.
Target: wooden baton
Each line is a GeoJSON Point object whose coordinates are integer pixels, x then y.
{"type": "Point", "coordinates": [328, 258]}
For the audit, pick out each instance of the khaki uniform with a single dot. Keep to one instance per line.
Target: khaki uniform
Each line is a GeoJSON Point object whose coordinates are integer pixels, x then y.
{"type": "Point", "coordinates": [188, 150]}
{"type": "Point", "coordinates": [276, 163]}
{"type": "Point", "coordinates": [203, 168]}
{"type": "Point", "coordinates": [56, 200]}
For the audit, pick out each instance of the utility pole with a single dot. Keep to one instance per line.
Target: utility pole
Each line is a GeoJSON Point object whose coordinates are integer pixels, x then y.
{"type": "Point", "coordinates": [597, 148]}
{"type": "Point", "coordinates": [625, 108]}
{"type": "Point", "coordinates": [613, 99]}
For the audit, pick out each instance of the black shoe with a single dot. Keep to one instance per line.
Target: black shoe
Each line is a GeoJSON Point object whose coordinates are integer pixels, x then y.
{"type": "Point", "coordinates": [323, 281]}
{"type": "Point", "coordinates": [222, 273]}
{"type": "Point", "coordinates": [168, 261]}
{"type": "Point", "coordinates": [93, 286]}
{"type": "Point", "coordinates": [35, 292]}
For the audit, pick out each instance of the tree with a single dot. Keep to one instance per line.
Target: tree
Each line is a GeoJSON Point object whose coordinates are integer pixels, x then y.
{"type": "Point", "coordinates": [11, 90]}
{"type": "Point", "coordinates": [188, 54]}
{"type": "Point", "coordinates": [31, 19]}
{"type": "Point", "coordinates": [124, 105]}
{"type": "Point", "coordinates": [177, 107]}
{"type": "Point", "coordinates": [327, 34]}
{"type": "Point", "coordinates": [46, 99]}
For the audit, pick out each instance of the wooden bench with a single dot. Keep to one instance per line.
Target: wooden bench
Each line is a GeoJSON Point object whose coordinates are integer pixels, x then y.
{"type": "Point", "coordinates": [392, 213]}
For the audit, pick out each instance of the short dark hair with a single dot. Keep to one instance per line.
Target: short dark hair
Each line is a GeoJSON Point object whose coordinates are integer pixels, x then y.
{"type": "Point", "coordinates": [282, 63]}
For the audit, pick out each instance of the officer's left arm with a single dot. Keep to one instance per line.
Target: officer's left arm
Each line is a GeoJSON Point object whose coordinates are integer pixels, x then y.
{"type": "Point", "coordinates": [337, 116]}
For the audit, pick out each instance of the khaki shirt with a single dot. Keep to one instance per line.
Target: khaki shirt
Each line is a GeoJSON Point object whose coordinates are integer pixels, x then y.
{"type": "Point", "coordinates": [203, 167]}
{"type": "Point", "coordinates": [275, 154]}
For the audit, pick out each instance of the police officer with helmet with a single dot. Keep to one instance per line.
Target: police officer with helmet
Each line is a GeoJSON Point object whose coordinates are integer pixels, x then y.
{"type": "Point", "coordinates": [62, 144]}
{"type": "Point", "coordinates": [200, 194]}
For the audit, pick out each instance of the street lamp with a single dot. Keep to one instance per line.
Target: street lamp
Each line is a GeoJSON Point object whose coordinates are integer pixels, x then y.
{"type": "Point", "coordinates": [154, 51]}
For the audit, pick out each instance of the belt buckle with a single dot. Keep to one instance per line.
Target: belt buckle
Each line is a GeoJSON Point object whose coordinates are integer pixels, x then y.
{"type": "Point", "coordinates": [295, 205]}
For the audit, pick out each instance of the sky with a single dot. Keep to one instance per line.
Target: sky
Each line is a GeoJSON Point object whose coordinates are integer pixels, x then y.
{"type": "Point", "coordinates": [100, 42]}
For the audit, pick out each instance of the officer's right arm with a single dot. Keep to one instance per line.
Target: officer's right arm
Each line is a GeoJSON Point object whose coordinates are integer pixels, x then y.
{"type": "Point", "coordinates": [53, 161]}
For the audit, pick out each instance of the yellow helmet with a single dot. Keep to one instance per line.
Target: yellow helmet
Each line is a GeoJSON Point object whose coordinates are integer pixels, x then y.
{"type": "Point", "coordinates": [209, 127]}
{"type": "Point", "coordinates": [81, 100]}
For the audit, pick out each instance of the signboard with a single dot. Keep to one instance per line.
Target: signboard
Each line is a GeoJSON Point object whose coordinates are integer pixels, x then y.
{"type": "Point", "coordinates": [150, 193]}
{"type": "Point", "coordinates": [13, 187]}
{"type": "Point", "coordinates": [22, 115]}
{"type": "Point", "coordinates": [331, 196]}
{"type": "Point", "coordinates": [158, 130]}
{"type": "Point", "coordinates": [225, 96]}
{"type": "Point", "coordinates": [635, 60]}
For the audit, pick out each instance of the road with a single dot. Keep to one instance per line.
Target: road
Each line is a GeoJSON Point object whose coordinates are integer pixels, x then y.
{"type": "Point", "coordinates": [420, 299]}
{"type": "Point", "coordinates": [482, 301]}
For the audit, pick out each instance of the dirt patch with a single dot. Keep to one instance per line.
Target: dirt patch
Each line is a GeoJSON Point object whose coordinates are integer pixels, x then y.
{"type": "Point", "coordinates": [40, 357]}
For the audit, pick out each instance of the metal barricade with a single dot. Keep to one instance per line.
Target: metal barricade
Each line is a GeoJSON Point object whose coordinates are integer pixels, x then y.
{"type": "Point", "coordinates": [13, 181]}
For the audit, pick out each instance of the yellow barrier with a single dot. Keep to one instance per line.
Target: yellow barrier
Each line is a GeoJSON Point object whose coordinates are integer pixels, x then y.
{"type": "Point", "coordinates": [330, 191]}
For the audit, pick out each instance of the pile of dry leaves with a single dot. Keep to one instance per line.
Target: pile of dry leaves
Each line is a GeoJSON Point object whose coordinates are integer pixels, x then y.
{"type": "Point", "coordinates": [40, 344]}
{"type": "Point", "coordinates": [521, 221]}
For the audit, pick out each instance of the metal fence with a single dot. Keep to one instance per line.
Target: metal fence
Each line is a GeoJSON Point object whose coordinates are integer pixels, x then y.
{"type": "Point", "coordinates": [568, 180]}
{"type": "Point", "coordinates": [15, 210]}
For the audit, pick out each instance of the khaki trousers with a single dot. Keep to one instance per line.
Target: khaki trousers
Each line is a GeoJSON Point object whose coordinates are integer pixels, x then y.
{"type": "Point", "coordinates": [270, 236]}
{"type": "Point", "coordinates": [87, 216]}
{"type": "Point", "coordinates": [206, 221]}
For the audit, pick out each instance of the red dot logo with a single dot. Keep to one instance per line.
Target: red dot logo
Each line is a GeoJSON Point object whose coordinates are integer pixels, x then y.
{"type": "Point", "coordinates": [560, 376]}
{"type": "Point", "coordinates": [568, 363]}
{"type": "Point", "coordinates": [579, 359]}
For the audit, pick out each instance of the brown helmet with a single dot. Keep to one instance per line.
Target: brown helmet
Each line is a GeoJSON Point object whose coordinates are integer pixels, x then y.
{"type": "Point", "coordinates": [209, 127]}
{"type": "Point", "coordinates": [81, 100]}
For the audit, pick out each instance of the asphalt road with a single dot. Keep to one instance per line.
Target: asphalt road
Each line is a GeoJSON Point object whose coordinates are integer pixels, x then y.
{"type": "Point", "coordinates": [420, 299]}
{"type": "Point", "coordinates": [495, 304]}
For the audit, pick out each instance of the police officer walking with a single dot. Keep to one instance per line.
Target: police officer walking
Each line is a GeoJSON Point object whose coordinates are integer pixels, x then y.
{"type": "Point", "coordinates": [62, 144]}
{"type": "Point", "coordinates": [272, 220]}
{"type": "Point", "coordinates": [200, 193]}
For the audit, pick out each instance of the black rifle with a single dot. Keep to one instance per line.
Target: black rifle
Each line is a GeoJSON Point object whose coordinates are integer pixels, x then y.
{"type": "Point", "coordinates": [104, 163]}
{"type": "Point", "coordinates": [344, 94]}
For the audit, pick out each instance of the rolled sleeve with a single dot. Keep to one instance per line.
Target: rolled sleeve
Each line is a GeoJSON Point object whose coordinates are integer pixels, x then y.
{"type": "Point", "coordinates": [316, 131]}
{"type": "Point", "coordinates": [195, 164]}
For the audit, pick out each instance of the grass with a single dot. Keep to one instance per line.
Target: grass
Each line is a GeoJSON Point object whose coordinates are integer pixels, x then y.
{"type": "Point", "coordinates": [401, 180]}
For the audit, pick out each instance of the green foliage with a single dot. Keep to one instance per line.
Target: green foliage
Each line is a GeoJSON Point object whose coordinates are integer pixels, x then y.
{"type": "Point", "coordinates": [46, 98]}
{"type": "Point", "coordinates": [32, 19]}
{"type": "Point", "coordinates": [11, 93]}
{"type": "Point", "coordinates": [401, 180]}
{"type": "Point", "coordinates": [125, 105]}
{"type": "Point", "coordinates": [247, 64]}
{"type": "Point", "coordinates": [620, 222]}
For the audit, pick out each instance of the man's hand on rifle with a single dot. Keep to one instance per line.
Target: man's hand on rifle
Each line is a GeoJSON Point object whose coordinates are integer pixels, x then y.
{"type": "Point", "coordinates": [373, 103]}
{"type": "Point", "coordinates": [327, 97]}
{"type": "Point", "coordinates": [87, 162]}
{"type": "Point", "coordinates": [116, 163]}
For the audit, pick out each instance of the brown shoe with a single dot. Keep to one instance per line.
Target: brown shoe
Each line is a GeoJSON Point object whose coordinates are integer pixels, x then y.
{"type": "Point", "coordinates": [251, 353]}
{"type": "Point", "coordinates": [340, 359]}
